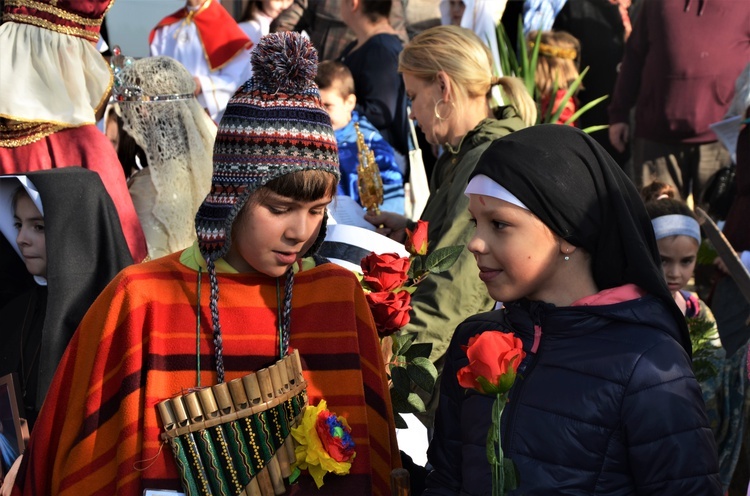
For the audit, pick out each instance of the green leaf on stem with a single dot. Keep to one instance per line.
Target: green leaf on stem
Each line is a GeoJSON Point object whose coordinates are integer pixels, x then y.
{"type": "Point", "coordinates": [511, 474]}
{"type": "Point", "coordinates": [400, 422]}
{"type": "Point", "coordinates": [402, 342]}
{"type": "Point", "coordinates": [423, 373]}
{"type": "Point", "coordinates": [443, 259]}
{"type": "Point", "coordinates": [400, 379]}
{"type": "Point", "coordinates": [418, 350]}
{"type": "Point", "coordinates": [415, 267]}
{"type": "Point", "coordinates": [406, 403]}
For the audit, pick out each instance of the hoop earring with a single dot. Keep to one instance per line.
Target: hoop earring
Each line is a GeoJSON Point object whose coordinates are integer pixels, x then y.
{"type": "Point", "coordinates": [437, 113]}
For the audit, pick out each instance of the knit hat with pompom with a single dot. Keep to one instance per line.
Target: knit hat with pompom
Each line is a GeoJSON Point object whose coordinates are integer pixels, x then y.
{"type": "Point", "coordinates": [274, 125]}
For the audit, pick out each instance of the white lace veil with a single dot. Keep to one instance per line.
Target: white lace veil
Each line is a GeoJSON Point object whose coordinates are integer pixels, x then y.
{"type": "Point", "coordinates": [177, 136]}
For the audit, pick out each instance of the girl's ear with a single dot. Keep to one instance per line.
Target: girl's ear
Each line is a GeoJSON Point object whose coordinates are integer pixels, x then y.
{"type": "Point", "coordinates": [445, 86]}
{"type": "Point", "coordinates": [566, 248]}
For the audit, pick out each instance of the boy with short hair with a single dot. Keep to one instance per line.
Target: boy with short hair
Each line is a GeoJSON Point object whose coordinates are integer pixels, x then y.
{"type": "Point", "coordinates": [243, 296]}
{"type": "Point", "coordinates": [337, 94]}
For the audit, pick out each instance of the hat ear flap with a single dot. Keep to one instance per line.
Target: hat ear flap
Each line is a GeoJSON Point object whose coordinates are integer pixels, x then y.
{"type": "Point", "coordinates": [321, 237]}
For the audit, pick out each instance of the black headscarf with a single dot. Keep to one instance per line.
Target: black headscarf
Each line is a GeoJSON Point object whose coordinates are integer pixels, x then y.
{"type": "Point", "coordinates": [85, 250]}
{"type": "Point", "coordinates": [570, 182]}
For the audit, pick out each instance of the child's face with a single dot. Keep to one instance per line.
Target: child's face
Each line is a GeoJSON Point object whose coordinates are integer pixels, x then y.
{"type": "Point", "coordinates": [268, 237]}
{"type": "Point", "coordinates": [457, 8]}
{"type": "Point", "coordinates": [518, 256]}
{"type": "Point", "coordinates": [678, 256]}
{"type": "Point", "coordinates": [338, 107]}
{"type": "Point", "coordinates": [274, 8]}
{"type": "Point", "coordinates": [29, 224]}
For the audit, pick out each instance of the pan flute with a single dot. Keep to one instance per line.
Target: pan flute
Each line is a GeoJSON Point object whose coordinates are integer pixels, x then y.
{"type": "Point", "coordinates": [234, 438]}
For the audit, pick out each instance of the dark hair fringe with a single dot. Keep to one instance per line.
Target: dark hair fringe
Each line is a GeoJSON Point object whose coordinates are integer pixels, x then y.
{"type": "Point", "coordinates": [668, 206]}
{"type": "Point", "coordinates": [302, 186]}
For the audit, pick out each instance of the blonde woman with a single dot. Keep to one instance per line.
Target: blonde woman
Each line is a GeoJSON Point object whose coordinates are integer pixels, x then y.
{"type": "Point", "coordinates": [446, 71]}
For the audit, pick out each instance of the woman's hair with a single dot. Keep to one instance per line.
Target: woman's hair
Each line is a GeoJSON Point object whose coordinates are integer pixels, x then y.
{"type": "Point", "coordinates": [658, 191]}
{"type": "Point", "coordinates": [468, 63]}
{"type": "Point", "coordinates": [668, 206]}
{"type": "Point", "coordinates": [303, 186]}
{"type": "Point", "coordinates": [375, 10]}
{"type": "Point", "coordinates": [559, 57]}
{"type": "Point", "coordinates": [251, 9]}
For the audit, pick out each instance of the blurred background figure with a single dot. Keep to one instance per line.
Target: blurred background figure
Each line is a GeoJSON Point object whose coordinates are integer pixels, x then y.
{"type": "Point", "coordinates": [62, 243]}
{"type": "Point", "coordinates": [481, 16]}
{"type": "Point", "coordinates": [204, 38]}
{"type": "Point", "coordinates": [602, 27]}
{"type": "Point", "coordinates": [557, 67]}
{"type": "Point", "coordinates": [337, 94]}
{"type": "Point", "coordinates": [166, 147]}
{"type": "Point", "coordinates": [678, 71]}
{"type": "Point", "coordinates": [258, 16]}
{"type": "Point", "coordinates": [321, 20]}
{"type": "Point", "coordinates": [373, 61]}
{"type": "Point", "coordinates": [51, 101]}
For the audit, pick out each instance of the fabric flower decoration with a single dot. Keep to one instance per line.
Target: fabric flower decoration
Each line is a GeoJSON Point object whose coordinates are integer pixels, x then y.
{"type": "Point", "coordinates": [325, 443]}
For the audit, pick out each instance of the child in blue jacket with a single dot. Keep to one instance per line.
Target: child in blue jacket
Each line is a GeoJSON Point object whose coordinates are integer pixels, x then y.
{"type": "Point", "coordinates": [337, 94]}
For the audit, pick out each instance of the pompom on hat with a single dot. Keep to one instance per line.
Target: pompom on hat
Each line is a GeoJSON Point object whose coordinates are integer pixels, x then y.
{"type": "Point", "coordinates": [275, 124]}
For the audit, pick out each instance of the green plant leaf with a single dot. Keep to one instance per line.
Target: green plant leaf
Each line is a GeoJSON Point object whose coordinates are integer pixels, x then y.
{"type": "Point", "coordinates": [568, 95]}
{"type": "Point", "coordinates": [418, 350]}
{"type": "Point", "coordinates": [406, 403]}
{"type": "Point", "coordinates": [546, 118]}
{"type": "Point", "coordinates": [402, 342]}
{"type": "Point", "coordinates": [585, 108]}
{"type": "Point", "coordinates": [593, 129]}
{"type": "Point", "coordinates": [423, 373]}
{"type": "Point", "coordinates": [443, 259]}
{"type": "Point", "coordinates": [530, 70]}
{"type": "Point", "coordinates": [399, 420]}
{"type": "Point", "coordinates": [511, 474]}
{"type": "Point", "coordinates": [415, 267]}
{"type": "Point", "coordinates": [400, 379]}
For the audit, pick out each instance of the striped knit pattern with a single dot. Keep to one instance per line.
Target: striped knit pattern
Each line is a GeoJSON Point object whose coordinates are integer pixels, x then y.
{"type": "Point", "coordinates": [136, 347]}
{"type": "Point", "coordinates": [274, 125]}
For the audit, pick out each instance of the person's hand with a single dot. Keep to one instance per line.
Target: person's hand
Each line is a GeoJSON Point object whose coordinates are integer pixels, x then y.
{"type": "Point", "coordinates": [198, 87]}
{"type": "Point", "coordinates": [619, 133]}
{"type": "Point", "coordinates": [10, 478]}
{"type": "Point", "coordinates": [389, 224]}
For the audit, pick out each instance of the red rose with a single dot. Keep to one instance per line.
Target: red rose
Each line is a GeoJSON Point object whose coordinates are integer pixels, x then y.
{"type": "Point", "coordinates": [416, 241]}
{"type": "Point", "coordinates": [385, 272]}
{"type": "Point", "coordinates": [494, 358]}
{"type": "Point", "coordinates": [390, 310]}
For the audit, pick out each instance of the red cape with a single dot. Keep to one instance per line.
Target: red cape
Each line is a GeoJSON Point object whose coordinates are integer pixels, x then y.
{"type": "Point", "coordinates": [219, 33]}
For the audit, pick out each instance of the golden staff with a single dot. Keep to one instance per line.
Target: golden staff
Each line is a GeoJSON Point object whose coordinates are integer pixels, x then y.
{"type": "Point", "coordinates": [369, 182]}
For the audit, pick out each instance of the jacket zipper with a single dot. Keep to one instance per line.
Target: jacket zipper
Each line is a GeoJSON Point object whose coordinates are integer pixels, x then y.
{"type": "Point", "coordinates": [517, 389]}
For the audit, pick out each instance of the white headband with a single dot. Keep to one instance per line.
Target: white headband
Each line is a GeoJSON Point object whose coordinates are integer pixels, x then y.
{"type": "Point", "coordinates": [483, 185]}
{"type": "Point", "coordinates": [676, 225]}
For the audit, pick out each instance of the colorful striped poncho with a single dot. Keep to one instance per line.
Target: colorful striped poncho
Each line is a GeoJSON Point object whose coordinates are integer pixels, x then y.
{"type": "Point", "coordinates": [98, 431]}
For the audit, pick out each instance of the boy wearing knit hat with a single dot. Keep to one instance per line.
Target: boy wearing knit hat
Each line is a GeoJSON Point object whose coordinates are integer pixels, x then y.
{"type": "Point", "coordinates": [249, 291]}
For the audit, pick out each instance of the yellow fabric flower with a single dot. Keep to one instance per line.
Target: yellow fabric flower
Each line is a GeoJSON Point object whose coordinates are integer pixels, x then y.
{"type": "Point", "coordinates": [311, 453]}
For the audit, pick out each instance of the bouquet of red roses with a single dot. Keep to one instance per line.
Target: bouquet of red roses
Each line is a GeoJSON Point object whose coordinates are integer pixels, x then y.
{"type": "Point", "coordinates": [389, 281]}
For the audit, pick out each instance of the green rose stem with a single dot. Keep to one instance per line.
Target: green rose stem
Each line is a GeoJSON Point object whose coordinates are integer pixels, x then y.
{"type": "Point", "coordinates": [494, 447]}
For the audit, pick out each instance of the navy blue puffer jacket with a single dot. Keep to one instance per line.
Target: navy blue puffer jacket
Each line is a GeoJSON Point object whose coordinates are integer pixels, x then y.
{"type": "Point", "coordinates": [608, 405]}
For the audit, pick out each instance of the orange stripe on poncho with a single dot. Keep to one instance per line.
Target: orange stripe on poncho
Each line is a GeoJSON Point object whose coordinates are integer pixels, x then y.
{"type": "Point", "coordinates": [137, 346]}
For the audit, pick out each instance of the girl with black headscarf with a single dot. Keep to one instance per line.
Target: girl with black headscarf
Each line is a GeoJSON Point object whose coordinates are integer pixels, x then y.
{"type": "Point", "coordinates": [605, 401]}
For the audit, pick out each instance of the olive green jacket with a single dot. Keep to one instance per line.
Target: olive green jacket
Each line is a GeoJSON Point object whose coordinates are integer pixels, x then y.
{"type": "Point", "coordinates": [442, 301]}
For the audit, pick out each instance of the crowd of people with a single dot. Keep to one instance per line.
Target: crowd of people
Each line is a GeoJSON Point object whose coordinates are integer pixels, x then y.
{"type": "Point", "coordinates": [162, 217]}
